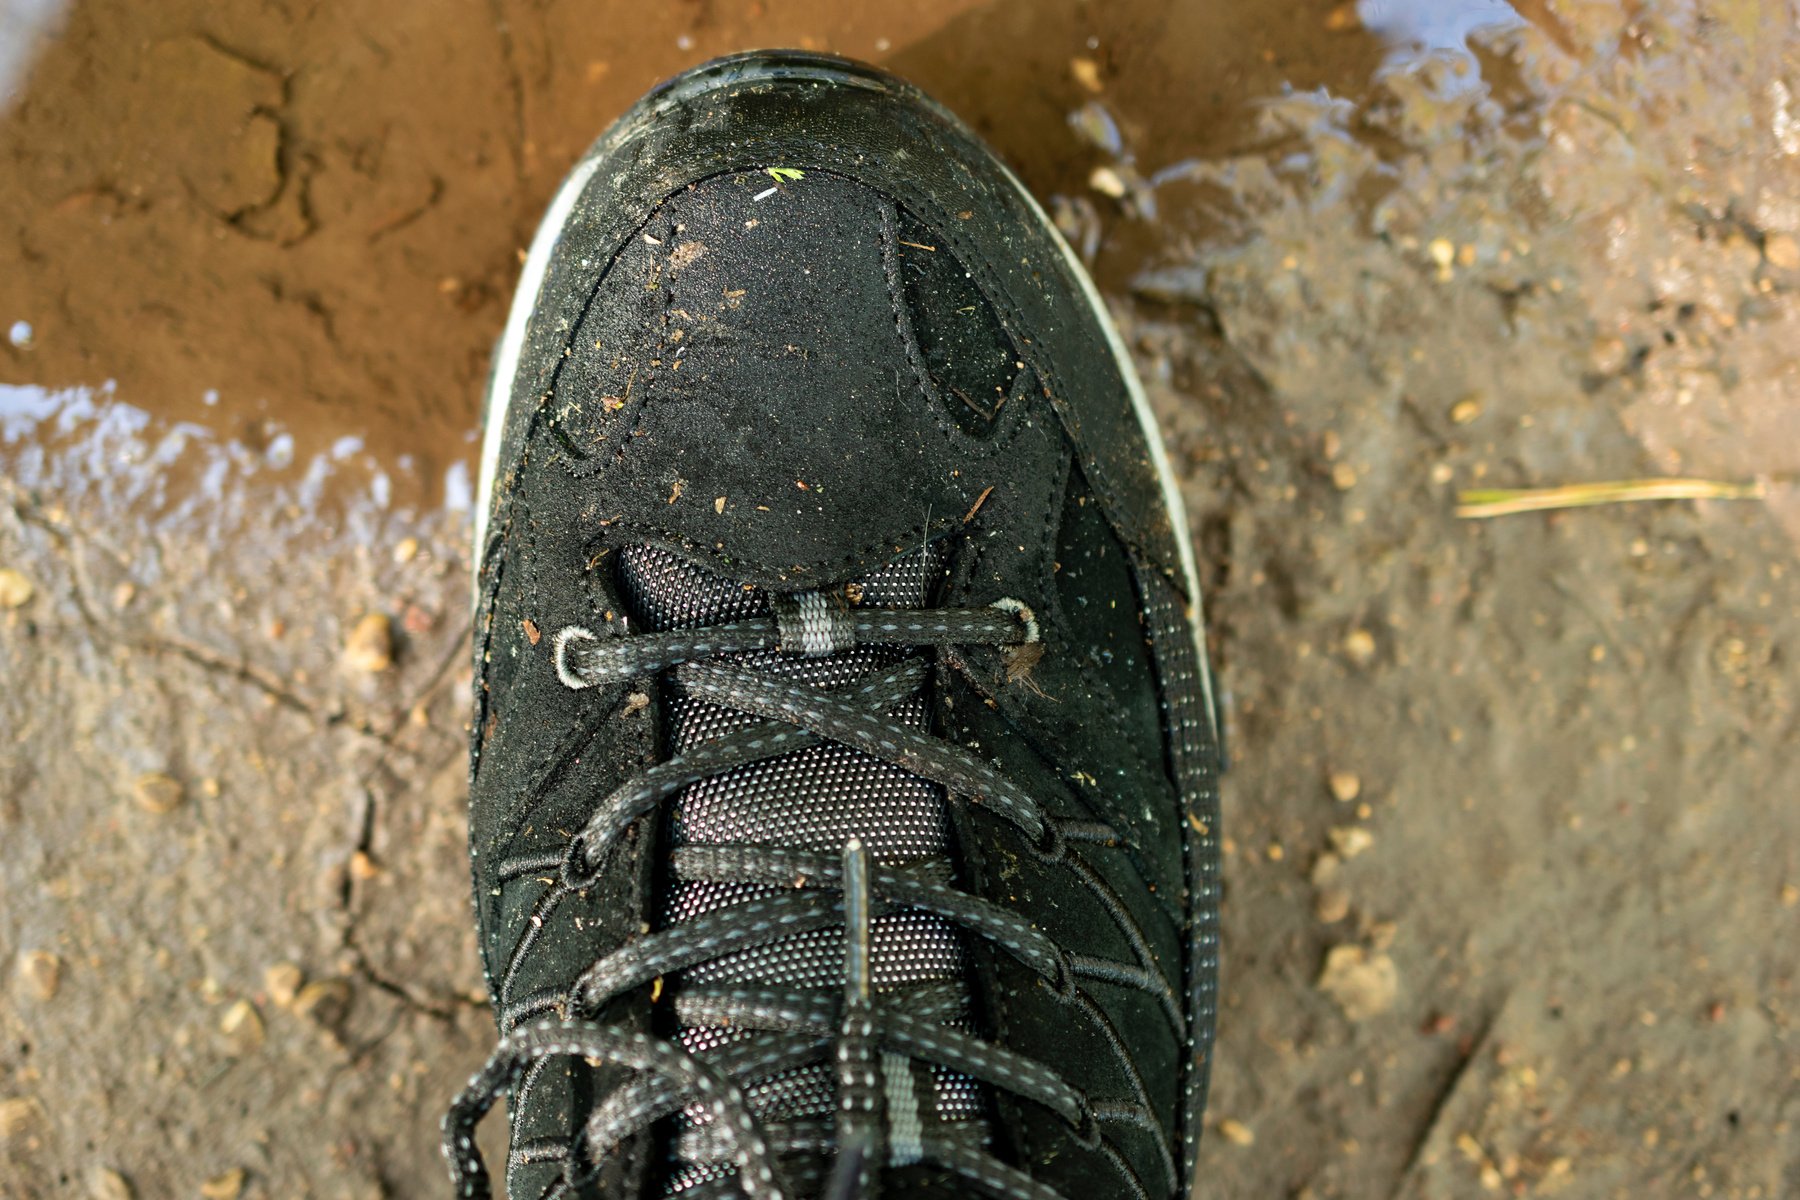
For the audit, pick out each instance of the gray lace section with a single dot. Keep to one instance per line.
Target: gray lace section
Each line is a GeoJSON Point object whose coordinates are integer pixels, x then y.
{"type": "Point", "coordinates": [811, 800]}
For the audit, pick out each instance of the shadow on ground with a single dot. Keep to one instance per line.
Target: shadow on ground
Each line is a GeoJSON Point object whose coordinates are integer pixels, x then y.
{"type": "Point", "coordinates": [1513, 880]}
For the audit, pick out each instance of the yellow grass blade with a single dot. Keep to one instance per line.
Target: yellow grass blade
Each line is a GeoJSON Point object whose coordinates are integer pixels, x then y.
{"type": "Point", "coordinates": [1501, 502]}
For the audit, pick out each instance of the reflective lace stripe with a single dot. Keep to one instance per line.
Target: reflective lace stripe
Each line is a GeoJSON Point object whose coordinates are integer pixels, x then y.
{"type": "Point", "coordinates": [813, 623]}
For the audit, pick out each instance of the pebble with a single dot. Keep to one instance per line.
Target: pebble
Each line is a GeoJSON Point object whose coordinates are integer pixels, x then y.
{"type": "Point", "coordinates": [370, 646]}
{"type": "Point", "coordinates": [1087, 73]}
{"type": "Point", "coordinates": [363, 866]}
{"type": "Point", "coordinates": [405, 550]}
{"type": "Point", "coordinates": [1363, 983]}
{"type": "Point", "coordinates": [1359, 647]}
{"type": "Point", "coordinates": [283, 982]}
{"type": "Point", "coordinates": [104, 1183]}
{"type": "Point", "coordinates": [1325, 869]}
{"type": "Point", "coordinates": [1351, 840]}
{"type": "Point", "coordinates": [1345, 786]}
{"type": "Point", "coordinates": [243, 1025]}
{"type": "Point", "coordinates": [1443, 253]}
{"type": "Point", "coordinates": [1108, 182]}
{"type": "Point", "coordinates": [1465, 410]}
{"type": "Point", "coordinates": [326, 1002]}
{"type": "Point", "coordinates": [1332, 905]}
{"type": "Point", "coordinates": [228, 1186]}
{"type": "Point", "coordinates": [41, 973]}
{"type": "Point", "coordinates": [1343, 477]}
{"type": "Point", "coordinates": [15, 588]}
{"type": "Point", "coordinates": [157, 793]}
{"type": "Point", "coordinates": [1237, 1133]}
{"type": "Point", "coordinates": [1782, 251]}
{"type": "Point", "coordinates": [17, 1116]}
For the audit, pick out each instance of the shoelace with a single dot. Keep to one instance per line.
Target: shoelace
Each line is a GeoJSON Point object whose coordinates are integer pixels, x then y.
{"type": "Point", "coordinates": [873, 1047]}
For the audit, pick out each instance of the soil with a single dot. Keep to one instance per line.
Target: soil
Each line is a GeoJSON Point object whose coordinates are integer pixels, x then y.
{"type": "Point", "coordinates": [1513, 884]}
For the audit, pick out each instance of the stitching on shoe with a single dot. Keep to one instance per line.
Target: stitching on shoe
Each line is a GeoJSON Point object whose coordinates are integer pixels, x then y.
{"type": "Point", "coordinates": [1008, 422]}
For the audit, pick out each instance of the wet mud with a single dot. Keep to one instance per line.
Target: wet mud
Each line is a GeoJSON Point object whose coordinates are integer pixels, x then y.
{"type": "Point", "coordinates": [1513, 878]}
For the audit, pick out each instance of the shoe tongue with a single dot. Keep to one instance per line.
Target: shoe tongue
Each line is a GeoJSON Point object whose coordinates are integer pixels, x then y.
{"type": "Point", "coordinates": [666, 591]}
{"type": "Point", "coordinates": [812, 799]}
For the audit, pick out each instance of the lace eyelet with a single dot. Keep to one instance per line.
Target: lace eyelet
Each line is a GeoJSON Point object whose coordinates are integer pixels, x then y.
{"type": "Point", "coordinates": [1050, 846]}
{"type": "Point", "coordinates": [576, 873]}
{"type": "Point", "coordinates": [1086, 1130]}
{"type": "Point", "coordinates": [1064, 983]}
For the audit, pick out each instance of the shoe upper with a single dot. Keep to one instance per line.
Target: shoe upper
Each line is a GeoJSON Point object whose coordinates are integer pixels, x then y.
{"type": "Point", "coordinates": [868, 380]}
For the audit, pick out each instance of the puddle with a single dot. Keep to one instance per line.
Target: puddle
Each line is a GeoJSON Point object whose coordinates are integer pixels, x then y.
{"type": "Point", "coordinates": [328, 250]}
{"type": "Point", "coordinates": [135, 478]}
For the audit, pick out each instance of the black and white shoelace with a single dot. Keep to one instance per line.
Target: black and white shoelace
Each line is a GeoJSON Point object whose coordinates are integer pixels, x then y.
{"type": "Point", "coordinates": [873, 1046]}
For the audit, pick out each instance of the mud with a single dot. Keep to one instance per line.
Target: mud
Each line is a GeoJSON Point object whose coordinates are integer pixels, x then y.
{"type": "Point", "coordinates": [1513, 898]}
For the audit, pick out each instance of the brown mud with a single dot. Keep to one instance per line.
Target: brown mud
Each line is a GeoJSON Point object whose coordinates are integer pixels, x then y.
{"type": "Point", "coordinates": [1513, 884]}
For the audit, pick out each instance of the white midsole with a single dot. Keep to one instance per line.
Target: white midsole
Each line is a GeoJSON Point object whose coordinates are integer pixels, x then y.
{"type": "Point", "coordinates": [531, 282]}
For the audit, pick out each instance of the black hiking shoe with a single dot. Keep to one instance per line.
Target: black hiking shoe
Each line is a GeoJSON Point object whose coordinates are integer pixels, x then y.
{"type": "Point", "coordinates": [844, 813]}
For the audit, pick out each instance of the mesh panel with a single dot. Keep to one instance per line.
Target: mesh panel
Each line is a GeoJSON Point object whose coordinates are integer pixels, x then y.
{"type": "Point", "coordinates": [812, 799]}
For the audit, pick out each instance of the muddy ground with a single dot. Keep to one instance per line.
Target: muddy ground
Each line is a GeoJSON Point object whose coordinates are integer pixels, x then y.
{"type": "Point", "coordinates": [1513, 897]}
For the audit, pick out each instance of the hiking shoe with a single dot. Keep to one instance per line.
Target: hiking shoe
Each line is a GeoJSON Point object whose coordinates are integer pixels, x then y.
{"type": "Point", "coordinates": [843, 808]}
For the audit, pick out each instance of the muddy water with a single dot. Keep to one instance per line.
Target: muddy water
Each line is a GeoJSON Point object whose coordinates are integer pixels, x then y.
{"type": "Point", "coordinates": [1368, 253]}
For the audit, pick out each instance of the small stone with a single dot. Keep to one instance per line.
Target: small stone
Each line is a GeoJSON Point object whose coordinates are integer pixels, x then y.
{"type": "Point", "coordinates": [363, 866]}
{"type": "Point", "coordinates": [1237, 1133]}
{"type": "Point", "coordinates": [15, 588]}
{"type": "Point", "coordinates": [1359, 647]}
{"type": "Point", "coordinates": [1442, 473]}
{"type": "Point", "coordinates": [228, 1186]}
{"type": "Point", "coordinates": [1363, 984]}
{"type": "Point", "coordinates": [1331, 444]}
{"type": "Point", "coordinates": [1351, 840]}
{"type": "Point", "coordinates": [370, 646]}
{"type": "Point", "coordinates": [719, 504]}
{"type": "Point", "coordinates": [1325, 869]}
{"type": "Point", "coordinates": [1345, 786]}
{"type": "Point", "coordinates": [325, 1002]}
{"type": "Point", "coordinates": [157, 793]}
{"type": "Point", "coordinates": [1782, 251]}
{"type": "Point", "coordinates": [1343, 477]}
{"type": "Point", "coordinates": [1332, 905]}
{"type": "Point", "coordinates": [243, 1025]}
{"type": "Point", "coordinates": [17, 1116]}
{"type": "Point", "coordinates": [40, 972]}
{"type": "Point", "coordinates": [1087, 73]}
{"type": "Point", "coordinates": [1443, 253]}
{"type": "Point", "coordinates": [104, 1183]}
{"type": "Point", "coordinates": [1108, 182]}
{"type": "Point", "coordinates": [1275, 852]}
{"type": "Point", "coordinates": [1342, 19]}
{"type": "Point", "coordinates": [405, 550]}
{"type": "Point", "coordinates": [283, 981]}
{"type": "Point", "coordinates": [1465, 410]}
